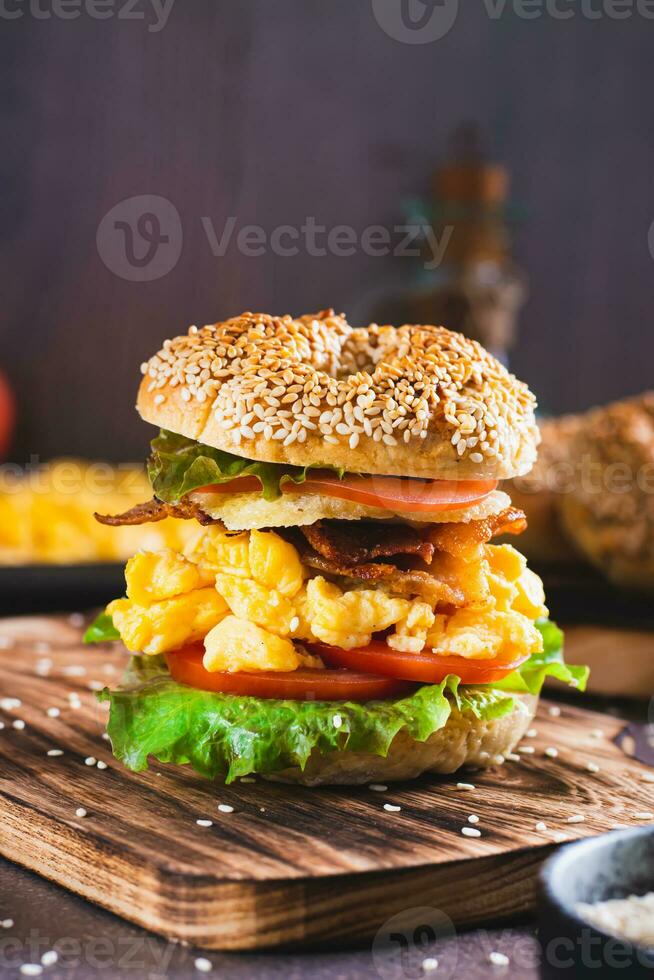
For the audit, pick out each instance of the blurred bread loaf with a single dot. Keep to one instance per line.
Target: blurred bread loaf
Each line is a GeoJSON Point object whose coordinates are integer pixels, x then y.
{"type": "Point", "coordinates": [591, 493]}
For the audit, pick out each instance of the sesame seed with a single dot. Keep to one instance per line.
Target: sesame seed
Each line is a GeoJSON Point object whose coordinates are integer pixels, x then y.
{"type": "Point", "coordinates": [378, 787]}
{"type": "Point", "coordinates": [470, 832]}
{"type": "Point", "coordinates": [225, 808]}
{"type": "Point", "coordinates": [647, 777]}
{"type": "Point", "coordinates": [7, 923]}
{"type": "Point", "coordinates": [559, 837]}
{"type": "Point", "coordinates": [465, 786]}
{"type": "Point", "coordinates": [644, 816]}
{"type": "Point", "coordinates": [294, 624]}
{"type": "Point", "coordinates": [473, 818]}
{"type": "Point", "coordinates": [19, 724]}
{"type": "Point", "coordinates": [577, 818]}
{"type": "Point", "coordinates": [53, 712]}
{"type": "Point", "coordinates": [203, 965]}
{"type": "Point", "coordinates": [429, 964]}
{"type": "Point", "coordinates": [204, 823]}
{"type": "Point", "coordinates": [391, 808]}
{"type": "Point", "coordinates": [90, 760]}
{"type": "Point", "coordinates": [2, 725]}
{"type": "Point", "coordinates": [593, 767]}
{"type": "Point", "coordinates": [80, 812]}
{"type": "Point", "coordinates": [526, 749]}
{"type": "Point", "coordinates": [541, 825]}
{"type": "Point", "coordinates": [31, 970]}
{"type": "Point", "coordinates": [54, 752]}
{"type": "Point", "coordinates": [532, 733]}
{"type": "Point", "coordinates": [554, 710]}
{"type": "Point", "coordinates": [8, 704]}
{"type": "Point", "coordinates": [498, 959]}
{"type": "Point", "coordinates": [101, 764]}
{"type": "Point", "coordinates": [513, 757]}
{"type": "Point", "coordinates": [551, 752]}
{"type": "Point", "coordinates": [337, 721]}
{"type": "Point", "coordinates": [597, 733]}
{"type": "Point", "coordinates": [49, 958]}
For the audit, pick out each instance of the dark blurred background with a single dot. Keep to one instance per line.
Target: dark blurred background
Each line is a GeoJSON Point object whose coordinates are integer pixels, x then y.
{"type": "Point", "coordinates": [273, 111]}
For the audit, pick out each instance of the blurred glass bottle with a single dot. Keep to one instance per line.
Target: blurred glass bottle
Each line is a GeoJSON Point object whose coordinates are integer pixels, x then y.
{"type": "Point", "coordinates": [477, 288]}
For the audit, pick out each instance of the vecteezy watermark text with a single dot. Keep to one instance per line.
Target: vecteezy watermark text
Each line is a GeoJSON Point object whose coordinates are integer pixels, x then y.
{"type": "Point", "coordinates": [426, 21]}
{"type": "Point", "coordinates": [314, 239]}
{"type": "Point", "coordinates": [154, 12]}
{"type": "Point", "coordinates": [140, 239]}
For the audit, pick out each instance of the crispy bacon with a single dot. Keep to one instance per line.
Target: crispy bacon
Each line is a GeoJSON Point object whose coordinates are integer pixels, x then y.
{"type": "Point", "coordinates": [156, 510]}
{"type": "Point", "coordinates": [461, 539]}
{"type": "Point", "coordinates": [362, 541]}
{"type": "Point", "coordinates": [414, 582]}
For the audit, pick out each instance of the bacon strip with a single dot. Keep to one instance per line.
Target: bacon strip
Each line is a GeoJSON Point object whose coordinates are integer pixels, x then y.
{"type": "Point", "coordinates": [362, 541]}
{"type": "Point", "coordinates": [156, 510]}
{"type": "Point", "coordinates": [461, 539]}
{"type": "Point", "coordinates": [414, 582]}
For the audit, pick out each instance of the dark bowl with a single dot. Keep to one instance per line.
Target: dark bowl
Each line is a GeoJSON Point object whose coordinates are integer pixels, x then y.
{"type": "Point", "coordinates": [614, 865]}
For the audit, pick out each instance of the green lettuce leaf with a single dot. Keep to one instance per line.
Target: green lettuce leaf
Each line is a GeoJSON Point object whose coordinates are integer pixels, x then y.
{"type": "Point", "coordinates": [101, 630]}
{"type": "Point", "coordinates": [179, 465]}
{"type": "Point", "coordinates": [228, 736]}
{"type": "Point", "coordinates": [530, 677]}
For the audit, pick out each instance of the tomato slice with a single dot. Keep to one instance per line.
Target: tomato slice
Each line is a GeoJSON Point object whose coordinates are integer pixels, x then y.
{"type": "Point", "coordinates": [186, 667]}
{"type": "Point", "coordinates": [426, 667]}
{"type": "Point", "coordinates": [395, 493]}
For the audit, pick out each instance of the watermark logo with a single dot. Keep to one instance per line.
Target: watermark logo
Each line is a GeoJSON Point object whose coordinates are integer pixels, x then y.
{"type": "Point", "coordinates": [404, 946]}
{"type": "Point", "coordinates": [141, 238]}
{"type": "Point", "coordinates": [153, 12]}
{"type": "Point", "coordinates": [416, 21]}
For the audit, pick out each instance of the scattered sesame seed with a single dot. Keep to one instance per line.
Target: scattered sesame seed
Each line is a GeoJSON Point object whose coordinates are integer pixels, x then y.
{"type": "Point", "coordinates": [105, 736]}
{"type": "Point", "coordinates": [392, 808]}
{"type": "Point", "coordinates": [526, 749]}
{"type": "Point", "coordinates": [43, 666]}
{"type": "Point", "coordinates": [53, 712]}
{"type": "Point", "coordinates": [577, 818]}
{"type": "Point", "coordinates": [465, 786]}
{"type": "Point", "coordinates": [337, 721]}
{"type": "Point", "coordinates": [551, 752]}
{"type": "Point", "coordinates": [204, 823]}
{"type": "Point", "coordinates": [18, 723]}
{"type": "Point", "coordinates": [498, 959]}
{"type": "Point", "coordinates": [95, 685]}
{"type": "Point", "coordinates": [8, 704]}
{"type": "Point", "coordinates": [7, 923]}
{"type": "Point", "coordinates": [2, 725]}
{"type": "Point", "coordinates": [54, 752]}
{"type": "Point", "coordinates": [644, 816]}
{"type": "Point", "coordinates": [597, 733]}
{"type": "Point", "coordinates": [470, 832]}
{"type": "Point", "coordinates": [532, 733]}
{"type": "Point", "coordinates": [80, 812]}
{"type": "Point", "coordinates": [498, 760]}
{"type": "Point", "coordinates": [554, 710]}
{"type": "Point", "coordinates": [541, 826]}
{"type": "Point", "coordinates": [225, 808]}
{"type": "Point", "coordinates": [647, 777]}
{"type": "Point", "coordinates": [31, 970]}
{"type": "Point", "coordinates": [203, 965]}
{"type": "Point", "coordinates": [473, 818]}
{"type": "Point", "coordinates": [50, 958]}
{"type": "Point", "coordinates": [378, 787]}
{"type": "Point", "coordinates": [90, 760]}
{"type": "Point", "coordinates": [73, 670]}
{"type": "Point", "coordinates": [430, 964]}
{"type": "Point", "coordinates": [513, 757]}
{"type": "Point", "coordinates": [593, 767]}
{"type": "Point", "coordinates": [559, 837]}
{"type": "Point", "coordinates": [101, 764]}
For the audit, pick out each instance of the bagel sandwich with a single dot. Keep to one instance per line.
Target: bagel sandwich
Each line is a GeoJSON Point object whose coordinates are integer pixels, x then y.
{"type": "Point", "coordinates": [341, 614]}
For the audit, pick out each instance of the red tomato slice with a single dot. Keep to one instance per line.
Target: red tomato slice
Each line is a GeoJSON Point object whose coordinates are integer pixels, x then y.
{"type": "Point", "coordinates": [426, 667]}
{"type": "Point", "coordinates": [186, 667]}
{"type": "Point", "coordinates": [388, 492]}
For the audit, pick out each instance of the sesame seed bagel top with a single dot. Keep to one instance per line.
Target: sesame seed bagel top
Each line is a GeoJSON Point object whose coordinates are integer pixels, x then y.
{"type": "Point", "coordinates": [416, 401]}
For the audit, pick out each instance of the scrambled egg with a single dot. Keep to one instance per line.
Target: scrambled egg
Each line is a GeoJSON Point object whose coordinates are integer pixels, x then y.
{"type": "Point", "coordinates": [248, 596]}
{"type": "Point", "coordinates": [46, 514]}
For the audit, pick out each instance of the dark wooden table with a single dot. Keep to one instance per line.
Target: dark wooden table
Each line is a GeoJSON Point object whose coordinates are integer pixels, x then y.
{"type": "Point", "coordinates": [92, 942]}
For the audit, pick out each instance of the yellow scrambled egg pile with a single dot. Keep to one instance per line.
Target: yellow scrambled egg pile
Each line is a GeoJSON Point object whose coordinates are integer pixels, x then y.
{"type": "Point", "coordinates": [46, 514]}
{"type": "Point", "coordinates": [248, 596]}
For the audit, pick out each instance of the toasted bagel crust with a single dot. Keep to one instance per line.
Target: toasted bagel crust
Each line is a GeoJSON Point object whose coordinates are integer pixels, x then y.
{"type": "Point", "coordinates": [464, 741]}
{"type": "Point", "coordinates": [417, 401]}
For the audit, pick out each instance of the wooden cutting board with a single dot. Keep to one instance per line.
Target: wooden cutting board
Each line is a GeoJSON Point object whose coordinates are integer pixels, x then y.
{"type": "Point", "coordinates": [288, 865]}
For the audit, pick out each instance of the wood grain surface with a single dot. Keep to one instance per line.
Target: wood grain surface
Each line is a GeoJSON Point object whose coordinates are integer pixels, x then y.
{"type": "Point", "coordinates": [288, 865]}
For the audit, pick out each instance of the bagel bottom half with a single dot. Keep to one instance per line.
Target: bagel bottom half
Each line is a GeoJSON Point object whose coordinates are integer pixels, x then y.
{"type": "Point", "coordinates": [463, 741]}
